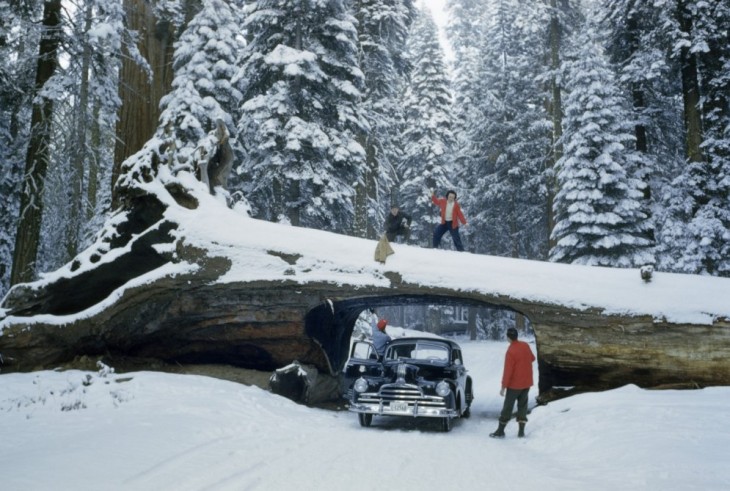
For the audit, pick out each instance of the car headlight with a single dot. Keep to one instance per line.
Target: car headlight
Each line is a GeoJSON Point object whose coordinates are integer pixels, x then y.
{"type": "Point", "coordinates": [443, 389]}
{"type": "Point", "coordinates": [361, 385]}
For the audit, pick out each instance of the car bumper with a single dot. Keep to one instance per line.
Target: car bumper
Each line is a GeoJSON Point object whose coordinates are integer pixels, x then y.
{"type": "Point", "coordinates": [413, 410]}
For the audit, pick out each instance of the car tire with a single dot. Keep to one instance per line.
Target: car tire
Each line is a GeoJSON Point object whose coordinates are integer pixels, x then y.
{"type": "Point", "coordinates": [467, 412]}
{"type": "Point", "coordinates": [365, 419]}
{"type": "Point", "coordinates": [446, 424]}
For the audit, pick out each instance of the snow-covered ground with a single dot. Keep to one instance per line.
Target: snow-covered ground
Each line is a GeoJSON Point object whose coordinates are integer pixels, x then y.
{"type": "Point", "coordinates": [153, 431]}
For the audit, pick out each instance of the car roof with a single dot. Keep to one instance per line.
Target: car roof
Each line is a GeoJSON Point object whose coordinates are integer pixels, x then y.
{"type": "Point", "coordinates": [410, 340]}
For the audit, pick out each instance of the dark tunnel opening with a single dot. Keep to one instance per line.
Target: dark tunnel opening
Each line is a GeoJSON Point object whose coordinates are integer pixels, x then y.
{"type": "Point", "coordinates": [331, 323]}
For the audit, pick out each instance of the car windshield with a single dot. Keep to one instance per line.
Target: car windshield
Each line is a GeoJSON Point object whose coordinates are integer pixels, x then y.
{"type": "Point", "coordinates": [418, 351]}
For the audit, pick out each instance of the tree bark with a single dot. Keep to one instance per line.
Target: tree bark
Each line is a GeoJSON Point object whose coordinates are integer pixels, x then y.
{"type": "Point", "coordinates": [38, 154]}
{"type": "Point", "coordinates": [360, 222]}
{"type": "Point", "coordinates": [139, 91]}
{"type": "Point", "coordinates": [556, 112]}
{"type": "Point", "coordinates": [690, 91]}
{"type": "Point", "coordinates": [79, 152]}
{"type": "Point", "coordinates": [637, 94]}
{"type": "Point", "coordinates": [366, 192]}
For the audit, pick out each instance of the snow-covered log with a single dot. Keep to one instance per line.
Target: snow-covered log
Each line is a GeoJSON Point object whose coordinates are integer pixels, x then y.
{"type": "Point", "coordinates": [177, 276]}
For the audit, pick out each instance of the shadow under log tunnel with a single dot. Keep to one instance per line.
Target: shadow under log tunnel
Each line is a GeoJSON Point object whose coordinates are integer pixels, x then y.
{"type": "Point", "coordinates": [331, 323]}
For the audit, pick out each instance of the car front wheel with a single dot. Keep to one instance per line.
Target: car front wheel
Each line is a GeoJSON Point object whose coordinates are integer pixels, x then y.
{"type": "Point", "coordinates": [446, 424]}
{"type": "Point", "coordinates": [365, 419]}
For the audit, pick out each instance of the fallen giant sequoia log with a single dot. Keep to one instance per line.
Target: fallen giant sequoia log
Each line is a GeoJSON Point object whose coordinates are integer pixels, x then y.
{"type": "Point", "coordinates": [148, 293]}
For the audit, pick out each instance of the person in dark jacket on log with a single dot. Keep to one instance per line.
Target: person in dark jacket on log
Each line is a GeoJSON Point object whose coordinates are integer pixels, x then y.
{"type": "Point", "coordinates": [397, 223]}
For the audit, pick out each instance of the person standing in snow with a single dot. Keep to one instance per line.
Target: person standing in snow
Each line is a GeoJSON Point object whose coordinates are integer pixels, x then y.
{"type": "Point", "coordinates": [380, 337]}
{"type": "Point", "coordinates": [397, 223]}
{"type": "Point", "coordinates": [451, 215]}
{"type": "Point", "coordinates": [516, 383]}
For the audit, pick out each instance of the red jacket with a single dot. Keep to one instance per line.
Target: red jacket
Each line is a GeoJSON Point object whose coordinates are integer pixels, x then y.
{"type": "Point", "coordinates": [517, 372]}
{"type": "Point", "coordinates": [457, 216]}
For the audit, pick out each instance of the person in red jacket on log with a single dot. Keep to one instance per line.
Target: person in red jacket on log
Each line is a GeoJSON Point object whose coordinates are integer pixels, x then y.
{"type": "Point", "coordinates": [451, 215]}
{"type": "Point", "coordinates": [516, 382]}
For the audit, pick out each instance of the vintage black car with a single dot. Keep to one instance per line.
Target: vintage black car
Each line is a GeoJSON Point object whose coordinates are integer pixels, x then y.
{"type": "Point", "coordinates": [416, 377]}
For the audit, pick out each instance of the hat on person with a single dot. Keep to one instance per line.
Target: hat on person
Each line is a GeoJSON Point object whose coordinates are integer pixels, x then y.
{"type": "Point", "coordinates": [512, 333]}
{"type": "Point", "coordinates": [382, 323]}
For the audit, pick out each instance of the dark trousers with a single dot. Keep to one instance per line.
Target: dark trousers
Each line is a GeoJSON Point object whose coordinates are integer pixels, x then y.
{"type": "Point", "coordinates": [439, 232]}
{"type": "Point", "coordinates": [404, 231]}
{"type": "Point", "coordinates": [512, 396]}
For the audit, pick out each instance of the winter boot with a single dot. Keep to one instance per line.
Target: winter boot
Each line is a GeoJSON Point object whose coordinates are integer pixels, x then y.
{"type": "Point", "coordinates": [521, 432]}
{"type": "Point", "coordinates": [500, 431]}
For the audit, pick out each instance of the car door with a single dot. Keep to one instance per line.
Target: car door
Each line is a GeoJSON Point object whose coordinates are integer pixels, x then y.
{"type": "Point", "coordinates": [363, 360]}
{"type": "Point", "coordinates": [458, 363]}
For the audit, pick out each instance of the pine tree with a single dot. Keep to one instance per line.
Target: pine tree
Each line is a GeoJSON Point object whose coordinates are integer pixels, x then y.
{"type": "Point", "coordinates": [300, 121]}
{"type": "Point", "coordinates": [428, 138]}
{"type": "Point", "coordinates": [712, 27]}
{"type": "Point", "coordinates": [696, 235]}
{"type": "Point", "coordinates": [77, 190]}
{"type": "Point", "coordinates": [204, 63]}
{"type": "Point", "coordinates": [506, 134]}
{"type": "Point", "coordinates": [598, 213]}
{"type": "Point", "coordinates": [38, 153]}
{"type": "Point", "coordinates": [383, 29]}
{"type": "Point", "coordinates": [17, 73]}
{"type": "Point", "coordinates": [466, 31]}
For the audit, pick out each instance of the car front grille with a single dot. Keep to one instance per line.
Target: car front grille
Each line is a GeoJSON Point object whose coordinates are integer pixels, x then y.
{"type": "Point", "coordinates": [401, 393]}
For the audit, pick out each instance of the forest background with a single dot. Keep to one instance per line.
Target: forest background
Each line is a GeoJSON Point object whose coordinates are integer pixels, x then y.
{"type": "Point", "coordinates": [589, 132]}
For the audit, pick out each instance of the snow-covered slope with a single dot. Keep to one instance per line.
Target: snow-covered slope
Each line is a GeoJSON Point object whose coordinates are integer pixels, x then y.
{"type": "Point", "coordinates": [161, 432]}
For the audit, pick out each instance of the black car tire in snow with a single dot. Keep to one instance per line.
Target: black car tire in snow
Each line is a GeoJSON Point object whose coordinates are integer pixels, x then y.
{"type": "Point", "coordinates": [446, 424]}
{"type": "Point", "coordinates": [365, 419]}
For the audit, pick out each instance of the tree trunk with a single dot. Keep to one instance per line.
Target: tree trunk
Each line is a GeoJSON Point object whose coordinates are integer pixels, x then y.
{"type": "Point", "coordinates": [372, 229]}
{"type": "Point", "coordinates": [79, 151]}
{"type": "Point", "coordinates": [38, 154]}
{"type": "Point", "coordinates": [556, 111]}
{"type": "Point", "coordinates": [93, 162]}
{"type": "Point", "coordinates": [360, 222]}
{"type": "Point", "coordinates": [690, 91]}
{"type": "Point", "coordinates": [637, 95]}
{"type": "Point", "coordinates": [366, 193]}
{"type": "Point", "coordinates": [473, 323]}
{"type": "Point", "coordinates": [139, 91]}
{"type": "Point", "coordinates": [293, 202]}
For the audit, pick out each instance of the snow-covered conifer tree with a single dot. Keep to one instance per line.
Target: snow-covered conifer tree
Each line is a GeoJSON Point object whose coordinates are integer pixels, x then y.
{"type": "Point", "coordinates": [202, 92]}
{"type": "Point", "coordinates": [300, 115]}
{"type": "Point", "coordinates": [467, 34]}
{"type": "Point", "coordinates": [505, 132]}
{"type": "Point", "coordinates": [17, 72]}
{"type": "Point", "coordinates": [78, 188]}
{"type": "Point", "coordinates": [599, 217]}
{"type": "Point", "coordinates": [696, 233]}
{"type": "Point", "coordinates": [428, 137]}
{"type": "Point", "coordinates": [383, 30]}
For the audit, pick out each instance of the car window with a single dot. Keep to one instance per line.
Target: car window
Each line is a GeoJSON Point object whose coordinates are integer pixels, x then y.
{"type": "Point", "coordinates": [362, 351]}
{"type": "Point", "coordinates": [400, 351]}
{"type": "Point", "coordinates": [418, 351]}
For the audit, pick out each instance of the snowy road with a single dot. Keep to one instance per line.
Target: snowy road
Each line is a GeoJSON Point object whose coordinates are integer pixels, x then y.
{"type": "Point", "coordinates": [174, 432]}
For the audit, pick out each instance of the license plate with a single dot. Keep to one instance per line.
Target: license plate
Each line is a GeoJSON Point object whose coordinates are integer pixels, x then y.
{"type": "Point", "coordinates": [399, 406]}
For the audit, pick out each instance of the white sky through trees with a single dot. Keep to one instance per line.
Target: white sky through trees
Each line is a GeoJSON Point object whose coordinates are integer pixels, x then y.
{"type": "Point", "coordinates": [438, 11]}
